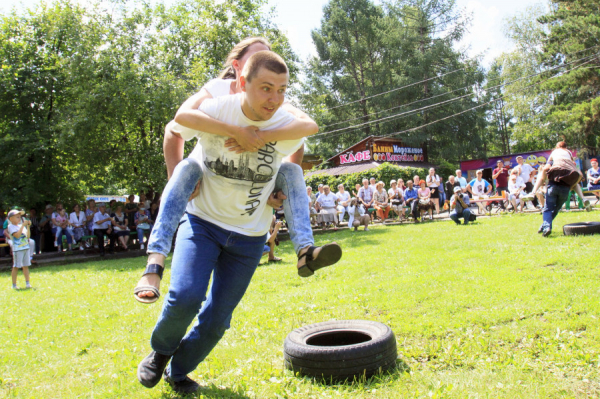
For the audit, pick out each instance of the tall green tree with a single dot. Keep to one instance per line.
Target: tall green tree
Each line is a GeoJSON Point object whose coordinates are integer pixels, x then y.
{"type": "Point", "coordinates": [574, 27]}
{"type": "Point", "coordinates": [365, 49]}
{"type": "Point", "coordinates": [87, 91]}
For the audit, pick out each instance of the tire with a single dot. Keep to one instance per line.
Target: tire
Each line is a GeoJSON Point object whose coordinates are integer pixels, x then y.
{"type": "Point", "coordinates": [340, 350]}
{"type": "Point", "coordinates": [581, 228]}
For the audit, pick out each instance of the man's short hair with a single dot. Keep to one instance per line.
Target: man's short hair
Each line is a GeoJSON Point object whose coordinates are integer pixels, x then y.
{"type": "Point", "coordinates": [458, 170]}
{"type": "Point", "coordinates": [263, 59]}
{"type": "Point", "coordinates": [365, 180]}
{"type": "Point", "coordinates": [479, 171]}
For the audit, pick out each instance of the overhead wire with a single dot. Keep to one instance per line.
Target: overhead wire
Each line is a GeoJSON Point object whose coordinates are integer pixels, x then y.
{"type": "Point", "coordinates": [479, 106]}
{"type": "Point", "coordinates": [426, 80]}
{"type": "Point", "coordinates": [407, 113]}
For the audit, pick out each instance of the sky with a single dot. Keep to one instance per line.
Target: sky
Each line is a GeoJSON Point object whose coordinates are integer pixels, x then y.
{"type": "Point", "coordinates": [297, 19]}
{"type": "Point", "coordinates": [485, 36]}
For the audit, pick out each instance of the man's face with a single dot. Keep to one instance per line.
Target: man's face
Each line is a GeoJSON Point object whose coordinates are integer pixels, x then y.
{"type": "Point", "coordinates": [410, 185]}
{"type": "Point", "coordinates": [458, 173]}
{"type": "Point", "coordinates": [142, 197]}
{"type": "Point", "coordinates": [264, 95]}
{"type": "Point", "coordinates": [520, 161]}
{"type": "Point", "coordinates": [372, 182]}
{"type": "Point", "coordinates": [500, 165]}
{"type": "Point", "coordinates": [451, 179]}
{"type": "Point", "coordinates": [59, 206]}
{"type": "Point", "coordinates": [341, 188]}
{"type": "Point", "coordinates": [308, 190]}
{"type": "Point", "coordinates": [365, 183]}
{"type": "Point", "coordinates": [326, 190]}
{"type": "Point", "coordinates": [32, 212]}
{"type": "Point", "coordinates": [479, 176]}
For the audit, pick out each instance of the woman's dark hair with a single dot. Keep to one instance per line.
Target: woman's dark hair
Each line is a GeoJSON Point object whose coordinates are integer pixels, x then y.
{"type": "Point", "coordinates": [237, 53]}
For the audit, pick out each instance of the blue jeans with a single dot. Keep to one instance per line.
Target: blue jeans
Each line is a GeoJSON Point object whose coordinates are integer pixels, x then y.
{"type": "Point", "coordinates": [58, 233]}
{"type": "Point", "coordinates": [140, 234]}
{"type": "Point", "coordinates": [203, 249]}
{"type": "Point", "coordinates": [181, 185]}
{"type": "Point", "coordinates": [466, 215]}
{"type": "Point", "coordinates": [556, 196]}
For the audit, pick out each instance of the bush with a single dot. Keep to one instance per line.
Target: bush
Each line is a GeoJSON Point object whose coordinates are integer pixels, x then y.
{"type": "Point", "coordinates": [385, 172]}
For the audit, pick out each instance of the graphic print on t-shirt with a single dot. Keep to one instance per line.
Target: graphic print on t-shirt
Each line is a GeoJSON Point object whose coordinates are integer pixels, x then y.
{"type": "Point", "coordinates": [253, 167]}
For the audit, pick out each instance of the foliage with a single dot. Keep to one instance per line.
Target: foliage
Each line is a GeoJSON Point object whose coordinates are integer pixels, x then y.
{"type": "Point", "coordinates": [366, 49]}
{"type": "Point", "coordinates": [384, 172]}
{"type": "Point", "coordinates": [86, 91]}
{"type": "Point", "coordinates": [475, 315]}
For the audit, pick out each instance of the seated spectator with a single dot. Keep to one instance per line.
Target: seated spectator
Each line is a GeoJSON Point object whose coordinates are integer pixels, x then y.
{"type": "Point", "coordinates": [78, 223]}
{"type": "Point", "coordinates": [319, 191]}
{"type": "Point", "coordinates": [401, 185]}
{"type": "Point", "coordinates": [417, 182]}
{"type": "Point", "coordinates": [343, 201]}
{"type": "Point", "coordinates": [62, 226]}
{"type": "Point", "coordinates": [396, 198]}
{"type": "Point", "coordinates": [103, 226]}
{"type": "Point", "coordinates": [147, 203]}
{"type": "Point", "coordinates": [327, 208]}
{"type": "Point", "coordinates": [515, 188]}
{"type": "Point", "coordinates": [381, 202]}
{"type": "Point", "coordinates": [365, 196]}
{"type": "Point", "coordinates": [459, 206]}
{"type": "Point", "coordinates": [89, 215]}
{"type": "Point", "coordinates": [373, 183]}
{"type": "Point", "coordinates": [411, 199]}
{"type": "Point", "coordinates": [112, 205]}
{"type": "Point", "coordinates": [119, 223]}
{"type": "Point", "coordinates": [479, 189]}
{"type": "Point", "coordinates": [357, 216]}
{"type": "Point", "coordinates": [143, 223]}
{"type": "Point", "coordinates": [272, 241]}
{"type": "Point", "coordinates": [425, 204]}
{"type": "Point", "coordinates": [593, 177]}
{"type": "Point", "coordinates": [312, 199]}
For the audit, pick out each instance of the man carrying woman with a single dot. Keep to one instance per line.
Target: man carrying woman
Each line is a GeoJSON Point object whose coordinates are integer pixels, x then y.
{"type": "Point", "coordinates": [221, 240]}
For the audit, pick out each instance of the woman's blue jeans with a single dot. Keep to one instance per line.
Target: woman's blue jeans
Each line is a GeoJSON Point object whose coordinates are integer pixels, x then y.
{"type": "Point", "coordinates": [181, 185]}
{"type": "Point", "coordinates": [203, 249]}
{"type": "Point", "coordinates": [556, 196]}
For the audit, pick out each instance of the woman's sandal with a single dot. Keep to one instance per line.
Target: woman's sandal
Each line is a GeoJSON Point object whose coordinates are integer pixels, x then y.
{"type": "Point", "coordinates": [152, 268]}
{"type": "Point", "coordinates": [329, 255]}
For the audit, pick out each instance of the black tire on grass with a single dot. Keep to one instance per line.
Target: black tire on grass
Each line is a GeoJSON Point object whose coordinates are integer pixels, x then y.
{"type": "Point", "coordinates": [341, 350]}
{"type": "Point", "coordinates": [581, 228]}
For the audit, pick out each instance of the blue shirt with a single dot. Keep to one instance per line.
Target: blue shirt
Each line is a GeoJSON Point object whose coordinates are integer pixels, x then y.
{"type": "Point", "coordinates": [98, 216]}
{"type": "Point", "coordinates": [462, 181]}
{"type": "Point", "coordinates": [408, 194]}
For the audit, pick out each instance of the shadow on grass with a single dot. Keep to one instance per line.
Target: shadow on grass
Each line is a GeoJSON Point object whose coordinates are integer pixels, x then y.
{"type": "Point", "coordinates": [358, 383]}
{"type": "Point", "coordinates": [209, 392]}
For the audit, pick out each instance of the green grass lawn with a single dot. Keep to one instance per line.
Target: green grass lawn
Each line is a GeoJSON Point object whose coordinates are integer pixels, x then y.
{"type": "Point", "coordinates": [491, 310]}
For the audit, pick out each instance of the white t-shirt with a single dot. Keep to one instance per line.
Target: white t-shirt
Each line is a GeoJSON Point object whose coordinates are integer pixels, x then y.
{"type": "Point", "coordinates": [434, 181]}
{"type": "Point", "coordinates": [342, 197]}
{"type": "Point", "coordinates": [526, 170]}
{"type": "Point", "coordinates": [479, 187]}
{"type": "Point", "coordinates": [513, 187]}
{"type": "Point", "coordinates": [235, 187]}
{"type": "Point", "coordinates": [21, 243]}
{"type": "Point", "coordinates": [78, 220]}
{"type": "Point", "coordinates": [561, 153]}
{"type": "Point", "coordinates": [327, 201]}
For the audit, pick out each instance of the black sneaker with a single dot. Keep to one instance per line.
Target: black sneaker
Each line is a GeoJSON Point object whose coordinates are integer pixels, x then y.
{"type": "Point", "coordinates": [541, 230]}
{"type": "Point", "coordinates": [546, 232]}
{"type": "Point", "coordinates": [184, 386]}
{"type": "Point", "coordinates": [150, 369]}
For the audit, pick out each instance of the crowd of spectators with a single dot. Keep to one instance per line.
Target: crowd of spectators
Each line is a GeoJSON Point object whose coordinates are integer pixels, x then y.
{"type": "Point", "coordinates": [115, 222]}
{"type": "Point", "coordinates": [422, 198]}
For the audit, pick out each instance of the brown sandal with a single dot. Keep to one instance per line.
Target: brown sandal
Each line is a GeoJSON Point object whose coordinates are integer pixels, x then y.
{"type": "Point", "coordinates": [329, 255]}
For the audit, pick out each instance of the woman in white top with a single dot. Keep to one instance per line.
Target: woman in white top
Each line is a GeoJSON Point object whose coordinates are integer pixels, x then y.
{"type": "Point", "coordinates": [433, 182]}
{"type": "Point", "coordinates": [78, 222]}
{"type": "Point", "coordinates": [560, 154]}
{"type": "Point", "coordinates": [343, 201]}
